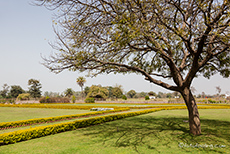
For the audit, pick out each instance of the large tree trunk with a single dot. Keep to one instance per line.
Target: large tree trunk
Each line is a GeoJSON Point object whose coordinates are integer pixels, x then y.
{"type": "Point", "coordinates": [194, 118]}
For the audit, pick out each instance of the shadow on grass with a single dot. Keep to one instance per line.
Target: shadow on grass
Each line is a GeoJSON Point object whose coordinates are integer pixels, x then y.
{"type": "Point", "coordinates": [157, 133]}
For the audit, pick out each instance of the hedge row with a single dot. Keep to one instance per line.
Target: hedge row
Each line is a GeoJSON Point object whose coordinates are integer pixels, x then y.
{"type": "Point", "coordinates": [27, 134]}
{"type": "Point", "coordinates": [6, 125]}
{"type": "Point", "coordinates": [168, 106]}
{"type": "Point", "coordinates": [59, 106]}
{"type": "Point", "coordinates": [54, 100]}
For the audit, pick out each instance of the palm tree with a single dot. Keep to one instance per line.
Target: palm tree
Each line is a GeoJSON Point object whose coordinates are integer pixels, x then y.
{"type": "Point", "coordinates": [81, 81]}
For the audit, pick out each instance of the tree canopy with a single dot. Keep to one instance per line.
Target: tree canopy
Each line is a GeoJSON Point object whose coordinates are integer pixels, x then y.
{"type": "Point", "coordinates": [15, 90]}
{"type": "Point", "coordinates": [98, 92]}
{"type": "Point", "coordinates": [68, 92]}
{"type": "Point", "coordinates": [4, 91]}
{"type": "Point", "coordinates": [35, 88]}
{"type": "Point", "coordinates": [173, 39]}
{"type": "Point", "coordinates": [131, 93]}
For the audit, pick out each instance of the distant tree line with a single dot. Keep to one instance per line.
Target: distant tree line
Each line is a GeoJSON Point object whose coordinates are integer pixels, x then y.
{"type": "Point", "coordinates": [34, 90]}
{"type": "Point", "coordinates": [97, 91]}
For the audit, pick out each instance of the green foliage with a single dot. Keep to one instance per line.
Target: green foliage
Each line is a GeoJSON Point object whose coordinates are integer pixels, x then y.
{"type": "Point", "coordinates": [124, 97]}
{"type": "Point", "coordinates": [147, 97]}
{"type": "Point", "coordinates": [68, 92]}
{"type": "Point", "coordinates": [73, 99]}
{"type": "Point", "coordinates": [52, 94]}
{"type": "Point", "coordinates": [48, 99]}
{"type": "Point", "coordinates": [86, 90]}
{"type": "Point", "coordinates": [157, 39]}
{"type": "Point", "coordinates": [131, 93]}
{"type": "Point", "coordinates": [98, 92]}
{"type": "Point", "coordinates": [117, 92]}
{"type": "Point", "coordinates": [3, 101]}
{"type": "Point", "coordinates": [81, 81]}
{"type": "Point", "coordinates": [89, 100]}
{"type": "Point", "coordinates": [142, 94]}
{"type": "Point", "coordinates": [151, 93]}
{"type": "Point", "coordinates": [23, 96]}
{"type": "Point", "coordinates": [4, 92]}
{"type": "Point", "coordinates": [15, 90]}
{"type": "Point", "coordinates": [34, 88]}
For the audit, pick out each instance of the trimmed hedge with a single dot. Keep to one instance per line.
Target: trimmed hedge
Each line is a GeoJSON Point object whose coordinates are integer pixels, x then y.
{"type": "Point", "coordinates": [6, 125]}
{"type": "Point", "coordinates": [90, 100]}
{"type": "Point", "coordinates": [54, 100]}
{"type": "Point", "coordinates": [59, 106]}
{"type": "Point", "coordinates": [27, 134]}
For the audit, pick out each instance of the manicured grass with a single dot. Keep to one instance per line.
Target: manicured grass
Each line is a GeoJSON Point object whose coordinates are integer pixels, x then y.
{"type": "Point", "coordinates": [58, 122]}
{"type": "Point", "coordinates": [159, 132]}
{"type": "Point", "coordinates": [8, 114]}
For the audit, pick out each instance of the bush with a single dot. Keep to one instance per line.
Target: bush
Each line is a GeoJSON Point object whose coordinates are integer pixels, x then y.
{"type": "Point", "coordinates": [73, 99]}
{"type": "Point", "coordinates": [89, 100]}
{"type": "Point", "coordinates": [147, 97]}
{"type": "Point", "coordinates": [23, 96]}
{"type": "Point", "coordinates": [54, 100]}
{"type": "Point", "coordinates": [3, 101]}
{"type": "Point", "coordinates": [124, 97]}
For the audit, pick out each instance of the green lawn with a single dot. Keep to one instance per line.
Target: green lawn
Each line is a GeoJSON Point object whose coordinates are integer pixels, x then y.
{"type": "Point", "coordinates": [158, 132]}
{"type": "Point", "coordinates": [8, 114]}
{"type": "Point", "coordinates": [57, 122]}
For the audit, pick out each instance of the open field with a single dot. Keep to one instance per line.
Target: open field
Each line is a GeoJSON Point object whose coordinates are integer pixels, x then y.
{"type": "Point", "coordinates": [159, 132]}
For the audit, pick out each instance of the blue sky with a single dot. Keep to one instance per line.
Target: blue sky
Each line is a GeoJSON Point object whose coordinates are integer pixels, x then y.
{"type": "Point", "coordinates": [25, 32]}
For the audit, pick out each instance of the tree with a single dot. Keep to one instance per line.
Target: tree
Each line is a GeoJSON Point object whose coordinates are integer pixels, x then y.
{"type": "Point", "coordinates": [110, 89]}
{"type": "Point", "coordinates": [151, 93]}
{"type": "Point", "coordinates": [171, 39]}
{"type": "Point", "coordinates": [4, 91]}
{"type": "Point", "coordinates": [142, 94]}
{"type": "Point", "coordinates": [34, 88]}
{"type": "Point", "coordinates": [15, 90]}
{"type": "Point", "coordinates": [218, 89]}
{"type": "Point", "coordinates": [23, 96]}
{"type": "Point", "coordinates": [117, 92]}
{"type": "Point", "coordinates": [86, 90]}
{"type": "Point", "coordinates": [81, 81]}
{"type": "Point", "coordinates": [68, 92]}
{"type": "Point", "coordinates": [131, 93]}
{"type": "Point", "coordinates": [98, 92]}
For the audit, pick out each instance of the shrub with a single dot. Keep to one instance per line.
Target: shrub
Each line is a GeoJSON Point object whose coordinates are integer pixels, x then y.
{"type": "Point", "coordinates": [73, 99]}
{"type": "Point", "coordinates": [23, 96]}
{"type": "Point", "coordinates": [90, 100]}
{"type": "Point", "coordinates": [54, 100]}
{"type": "Point", "coordinates": [147, 97]}
{"type": "Point", "coordinates": [124, 97]}
{"type": "Point", "coordinates": [3, 101]}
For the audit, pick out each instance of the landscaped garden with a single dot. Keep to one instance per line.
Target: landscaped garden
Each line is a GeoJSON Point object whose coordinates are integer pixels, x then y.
{"type": "Point", "coordinates": [129, 128]}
